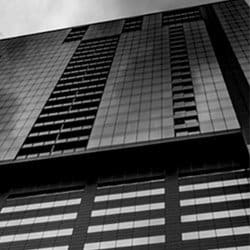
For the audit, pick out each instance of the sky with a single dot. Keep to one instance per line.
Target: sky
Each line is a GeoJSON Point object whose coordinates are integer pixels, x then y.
{"type": "Point", "coordinates": [20, 17]}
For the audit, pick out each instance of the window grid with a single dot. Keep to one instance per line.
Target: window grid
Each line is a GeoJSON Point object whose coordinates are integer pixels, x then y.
{"type": "Point", "coordinates": [65, 122]}
{"type": "Point", "coordinates": [215, 199]}
{"type": "Point", "coordinates": [215, 208]}
{"type": "Point", "coordinates": [181, 16]}
{"type": "Point", "coordinates": [133, 242]}
{"type": "Point", "coordinates": [213, 103]}
{"type": "Point", "coordinates": [135, 209]}
{"type": "Point", "coordinates": [45, 192]}
{"type": "Point", "coordinates": [133, 24]}
{"type": "Point", "coordinates": [128, 195]}
{"type": "Point", "coordinates": [36, 235]}
{"type": "Point", "coordinates": [235, 19]}
{"type": "Point", "coordinates": [126, 225]}
{"type": "Point", "coordinates": [214, 184]}
{"type": "Point", "coordinates": [52, 248]}
{"type": "Point", "coordinates": [128, 209]}
{"type": "Point", "coordinates": [137, 102]}
{"type": "Point", "coordinates": [39, 220]}
{"type": "Point", "coordinates": [35, 63]}
{"type": "Point", "coordinates": [184, 107]}
{"type": "Point", "coordinates": [76, 34]}
{"type": "Point", "coordinates": [217, 173]}
{"type": "Point", "coordinates": [215, 215]}
{"type": "Point", "coordinates": [130, 183]}
{"type": "Point", "coordinates": [42, 205]}
{"type": "Point", "coordinates": [215, 233]}
{"type": "Point", "coordinates": [233, 248]}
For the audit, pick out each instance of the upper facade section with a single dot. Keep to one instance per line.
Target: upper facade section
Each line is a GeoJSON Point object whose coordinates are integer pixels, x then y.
{"type": "Point", "coordinates": [137, 80]}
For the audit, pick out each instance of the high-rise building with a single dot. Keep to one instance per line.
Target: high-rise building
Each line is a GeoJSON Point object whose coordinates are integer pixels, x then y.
{"type": "Point", "coordinates": [128, 134]}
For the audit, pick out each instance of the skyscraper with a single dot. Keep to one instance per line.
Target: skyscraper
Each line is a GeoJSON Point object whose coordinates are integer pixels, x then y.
{"type": "Point", "coordinates": [128, 134]}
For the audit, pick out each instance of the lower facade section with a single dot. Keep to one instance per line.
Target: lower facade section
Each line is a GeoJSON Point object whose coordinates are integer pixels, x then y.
{"type": "Point", "coordinates": [149, 210]}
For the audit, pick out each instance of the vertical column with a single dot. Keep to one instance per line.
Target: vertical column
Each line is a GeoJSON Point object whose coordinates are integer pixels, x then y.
{"type": "Point", "coordinates": [3, 197]}
{"type": "Point", "coordinates": [173, 235]}
{"type": "Point", "coordinates": [232, 71]}
{"type": "Point", "coordinates": [65, 122]}
{"type": "Point", "coordinates": [184, 106]}
{"type": "Point", "coordinates": [81, 226]}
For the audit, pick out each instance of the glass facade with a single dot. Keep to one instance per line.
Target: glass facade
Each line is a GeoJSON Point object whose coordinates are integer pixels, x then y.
{"type": "Point", "coordinates": [30, 66]}
{"type": "Point", "coordinates": [215, 209]}
{"type": "Point", "coordinates": [65, 123]}
{"type": "Point", "coordinates": [128, 216]}
{"type": "Point", "coordinates": [184, 106]}
{"type": "Point", "coordinates": [137, 102]}
{"type": "Point", "coordinates": [39, 221]}
{"type": "Point", "coordinates": [153, 77]}
{"type": "Point", "coordinates": [211, 212]}
{"type": "Point", "coordinates": [123, 134]}
{"type": "Point", "coordinates": [215, 109]}
{"type": "Point", "coordinates": [235, 19]}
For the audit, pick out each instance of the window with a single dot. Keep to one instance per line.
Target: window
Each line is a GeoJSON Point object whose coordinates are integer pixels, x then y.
{"type": "Point", "coordinates": [36, 235]}
{"type": "Point", "coordinates": [53, 248]}
{"type": "Point", "coordinates": [181, 16]}
{"type": "Point", "coordinates": [128, 209]}
{"type": "Point", "coordinates": [128, 195]}
{"type": "Point", "coordinates": [126, 225]}
{"type": "Point", "coordinates": [76, 34]}
{"type": "Point", "coordinates": [66, 121]}
{"type": "Point", "coordinates": [221, 232]}
{"type": "Point", "coordinates": [125, 242]}
{"type": "Point", "coordinates": [42, 205]}
{"type": "Point", "coordinates": [184, 107]}
{"type": "Point", "coordinates": [133, 24]}
{"type": "Point", "coordinates": [36, 220]}
{"type": "Point", "coordinates": [215, 199]}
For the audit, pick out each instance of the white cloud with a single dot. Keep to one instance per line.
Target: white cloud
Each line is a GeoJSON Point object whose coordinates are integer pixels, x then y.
{"type": "Point", "coordinates": [29, 16]}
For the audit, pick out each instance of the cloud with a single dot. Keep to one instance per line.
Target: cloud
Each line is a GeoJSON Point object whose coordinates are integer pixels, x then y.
{"type": "Point", "coordinates": [30, 16]}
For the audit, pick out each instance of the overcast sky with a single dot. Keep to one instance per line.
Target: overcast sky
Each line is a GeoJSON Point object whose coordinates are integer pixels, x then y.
{"type": "Point", "coordinates": [19, 17]}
